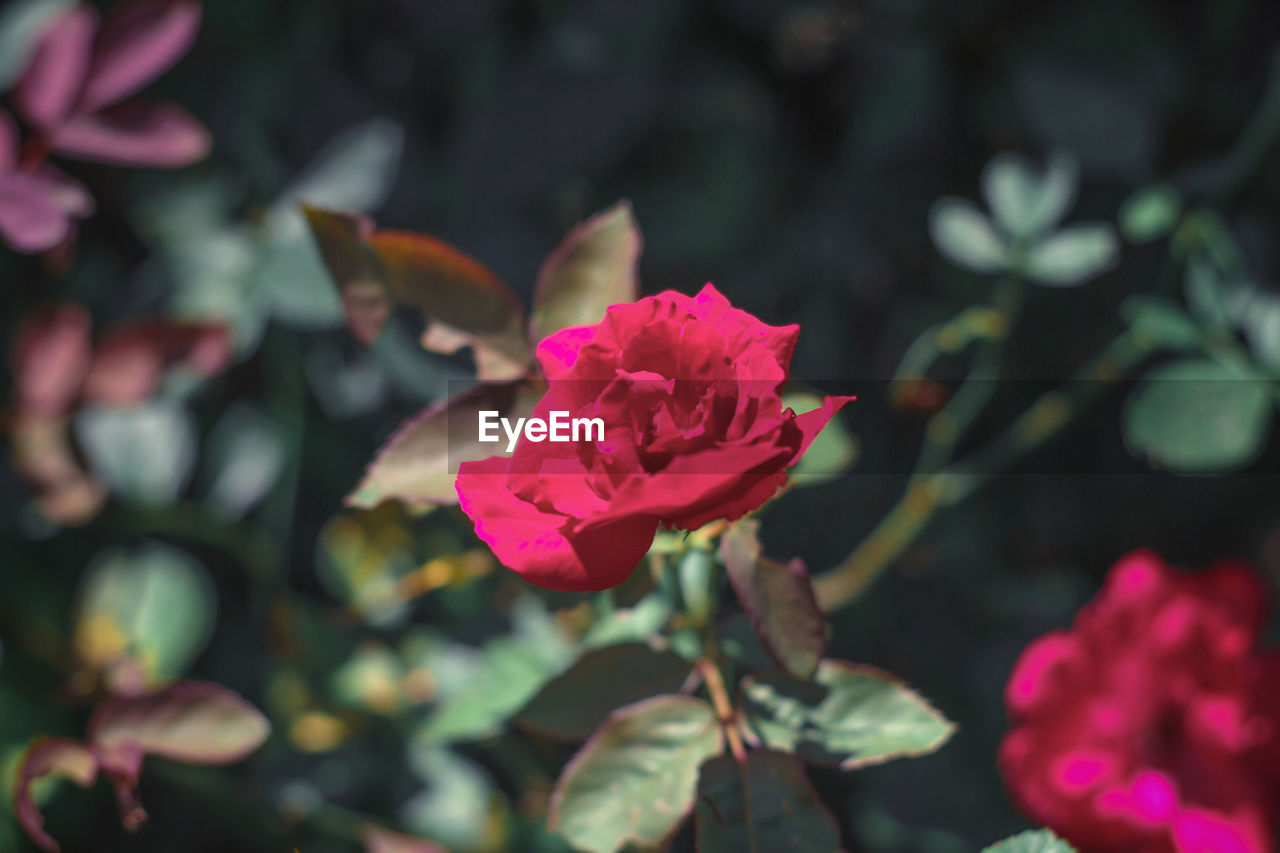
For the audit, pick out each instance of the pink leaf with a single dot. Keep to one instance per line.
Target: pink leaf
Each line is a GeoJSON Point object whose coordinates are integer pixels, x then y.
{"type": "Point", "coordinates": [130, 362]}
{"type": "Point", "coordinates": [30, 220]}
{"type": "Point", "coordinates": [61, 756]}
{"type": "Point", "coordinates": [51, 359]}
{"type": "Point", "coordinates": [136, 46]}
{"type": "Point", "coordinates": [48, 90]}
{"type": "Point", "coordinates": [192, 722]}
{"type": "Point", "coordinates": [134, 134]}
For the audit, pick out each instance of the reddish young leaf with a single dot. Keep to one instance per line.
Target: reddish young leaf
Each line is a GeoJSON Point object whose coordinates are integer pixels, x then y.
{"type": "Point", "coordinates": [341, 239]}
{"type": "Point", "coordinates": [134, 134]}
{"type": "Point", "coordinates": [192, 722]}
{"type": "Point", "coordinates": [593, 268]}
{"type": "Point", "coordinates": [49, 756]}
{"type": "Point", "coordinates": [138, 44]}
{"type": "Point", "coordinates": [778, 599]}
{"type": "Point", "coordinates": [419, 463]}
{"type": "Point", "coordinates": [129, 363]}
{"type": "Point", "coordinates": [42, 453]}
{"type": "Point", "coordinates": [55, 76]}
{"type": "Point", "coordinates": [51, 357]}
{"type": "Point", "coordinates": [453, 288]}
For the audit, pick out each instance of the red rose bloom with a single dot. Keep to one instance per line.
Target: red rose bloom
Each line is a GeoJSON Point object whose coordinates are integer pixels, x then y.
{"type": "Point", "coordinates": [688, 390]}
{"type": "Point", "coordinates": [1153, 724]}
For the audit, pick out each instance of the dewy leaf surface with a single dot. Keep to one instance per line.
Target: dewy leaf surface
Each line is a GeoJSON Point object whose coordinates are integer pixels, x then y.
{"type": "Point", "coordinates": [853, 715]}
{"type": "Point", "coordinates": [763, 806]}
{"type": "Point", "coordinates": [635, 780]}
{"type": "Point", "coordinates": [593, 268]}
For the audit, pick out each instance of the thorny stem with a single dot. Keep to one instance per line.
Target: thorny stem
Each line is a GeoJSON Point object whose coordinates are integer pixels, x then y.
{"type": "Point", "coordinates": [927, 492]}
{"type": "Point", "coordinates": [724, 707]}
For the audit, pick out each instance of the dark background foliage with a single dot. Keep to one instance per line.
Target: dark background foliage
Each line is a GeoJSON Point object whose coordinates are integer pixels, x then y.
{"type": "Point", "coordinates": [790, 153]}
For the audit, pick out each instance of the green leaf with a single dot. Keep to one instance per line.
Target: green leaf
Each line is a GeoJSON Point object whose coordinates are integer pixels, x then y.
{"type": "Point", "coordinates": [1261, 322]}
{"type": "Point", "coordinates": [465, 303]}
{"type": "Point", "coordinates": [1032, 841]}
{"type": "Point", "coordinates": [456, 805]}
{"type": "Point", "coordinates": [1161, 322]}
{"type": "Point", "coordinates": [152, 607]}
{"type": "Point", "coordinates": [764, 805]}
{"type": "Point", "coordinates": [1024, 201]}
{"type": "Point", "coordinates": [575, 704]}
{"type": "Point", "coordinates": [635, 779]}
{"type": "Point", "coordinates": [1207, 294]}
{"type": "Point", "coordinates": [965, 236]}
{"type": "Point", "coordinates": [144, 453]}
{"type": "Point", "coordinates": [1150, 213]}
{"type": "Point", "coordinates": [419, 463]}
{"type": "Point", "coordinates": [248, 454]}
{"type": "Point", "coordinates": [630, 624]}
{"type": "Point", "coordinates": [192, 722]}
{"type": "Point", "coordinates": [593, 268]}
{"type": "Point", "coordinates": [778, 598]}
{"type": "Point", "coordinates": [21, 25]}
{"type": "Point", "coordinates": [1197, 416]}
{"type": "Point", "coordinates": [854, 715]}
{"type": "Point", "coordinates": [831, 454]}
{"type": "Point", "coordinates": [1073, 255]}
{"type": "Point", "coordinates": [503, 677]}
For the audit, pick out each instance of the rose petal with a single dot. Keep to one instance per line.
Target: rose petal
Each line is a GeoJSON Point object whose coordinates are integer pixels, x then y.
{"type": "Point", "coordinates": [137, 46]}
{"type": "Point", "coordinates": [130, 361]}
{"type": "Point", "coordinates": [55, 76]}
{"type": "Point", "coordinates": [812, 422]}
{"type": "Point", "coordinates": [535, 543]}
{"type": "Point", "coordinates": [30, 220]}
{"type": "Point", "coordinates": [135, 134]}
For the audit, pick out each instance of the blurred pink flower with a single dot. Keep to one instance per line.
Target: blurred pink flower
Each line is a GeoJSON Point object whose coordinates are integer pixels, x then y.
{"type": "Point", "coordinates": [74, 89]}
{"type": "Point", "coordinates": [74, 99]}
{"type": "Point", "coordinates": [36, 206]}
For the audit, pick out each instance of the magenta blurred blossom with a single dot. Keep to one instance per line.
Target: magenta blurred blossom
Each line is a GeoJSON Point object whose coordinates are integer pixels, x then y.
{"type": "Point", "coordinates": [75, 98]}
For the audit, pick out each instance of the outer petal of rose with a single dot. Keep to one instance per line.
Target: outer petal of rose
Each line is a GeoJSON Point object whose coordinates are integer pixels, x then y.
{"type": "Point", "coordinates": [812, 422]}
{"type": "Point", "coordinates": [30, 220]}
{"type": "Point", "coordinates": [1041, 676]}
{"type": "Point", "coordinates": [136, 46]}
{"type": "Point", "coordinates": [1201, 831]}
{"type": "Point", "coordinates": [55, 76]}
{"type": "Point", "coordinates": [134, 134]}
{"type": "Point", "coordinates": [712, 306]}
{"type": "Point", "coordinates": [721, 482]}
{"type": "Point", "coordinates": [558, 351]}
{"type": "Point", "coordinates": [535, 544]}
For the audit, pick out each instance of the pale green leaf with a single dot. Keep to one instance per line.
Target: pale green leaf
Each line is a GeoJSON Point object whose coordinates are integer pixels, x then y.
{"type": "Point", "coordinates": [1027, 201]}
{"type": "Point", "coordinates": [1197, 416]}
{"type": "Point", "coordinates": [1033, 841]}
{"type": "Point", "coordinates": [965, 236]}
{"type": "Point", "coordinates": [1073, 255]}
{"type": "Point", "coordinates": [853, 715]}
{"type": "Point", "coordinates": [636, 778]}
{"type": "Point", "coordinates": [765, 805]}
